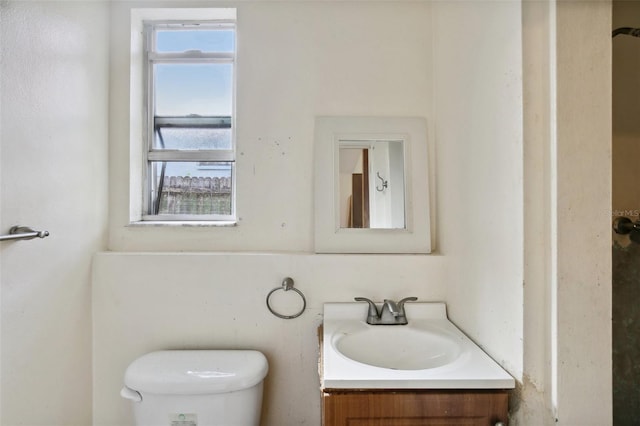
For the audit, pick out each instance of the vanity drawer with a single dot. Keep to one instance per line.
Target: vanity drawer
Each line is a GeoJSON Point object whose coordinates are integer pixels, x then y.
{"type": "Point", "coordinates": [414, 408]}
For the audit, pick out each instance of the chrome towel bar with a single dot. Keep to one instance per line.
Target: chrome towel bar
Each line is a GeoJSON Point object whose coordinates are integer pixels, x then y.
{"type": "Point", "coordinates": [23, 233]}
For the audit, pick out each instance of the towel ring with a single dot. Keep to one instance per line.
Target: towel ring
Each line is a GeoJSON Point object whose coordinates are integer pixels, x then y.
{"type": "Point", "coordinates": [287, 284]}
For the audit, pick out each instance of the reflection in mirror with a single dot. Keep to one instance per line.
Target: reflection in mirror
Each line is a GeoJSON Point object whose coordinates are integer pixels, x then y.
{"type": "Point", "coordinates": [372, 184]}
{"type": "Point", "coordinates": [371, 173]}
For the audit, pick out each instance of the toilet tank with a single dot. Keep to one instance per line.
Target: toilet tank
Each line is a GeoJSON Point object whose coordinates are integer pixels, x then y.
{"type": "Point", "coordinates": [196, 387]}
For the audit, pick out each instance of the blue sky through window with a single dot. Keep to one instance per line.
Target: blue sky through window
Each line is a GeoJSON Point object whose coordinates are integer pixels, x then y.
{"type": "Point", "coordinates": [202, 89]}
{"type": "Point", "coordinates": [203, 40]}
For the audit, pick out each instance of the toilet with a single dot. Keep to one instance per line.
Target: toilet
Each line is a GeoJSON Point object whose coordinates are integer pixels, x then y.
{"type": "Point", "coordinates": [196, 387]}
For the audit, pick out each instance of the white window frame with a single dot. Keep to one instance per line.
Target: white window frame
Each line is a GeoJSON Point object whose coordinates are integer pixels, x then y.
{"type": "Point", "coordinates": [142, 115]}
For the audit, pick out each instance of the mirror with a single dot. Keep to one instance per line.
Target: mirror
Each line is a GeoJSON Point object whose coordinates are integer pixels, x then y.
{"type": "Point", "coordinates": [371, 185]}
{"type": "Point", "coordinates": [371, 174]}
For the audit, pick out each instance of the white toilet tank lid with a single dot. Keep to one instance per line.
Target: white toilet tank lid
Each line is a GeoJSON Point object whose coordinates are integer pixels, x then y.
{"type": "Point", "coordinates": [194, 372]}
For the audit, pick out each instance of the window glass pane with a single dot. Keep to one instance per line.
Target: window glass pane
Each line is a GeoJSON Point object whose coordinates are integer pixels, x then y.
{"type": "Point", "coordinates": [192, 188]}
{"type": "Point", "coordinates": [193, 89]}
{"type": "Point", "coordinates": [204, 40]}
{"type": "Point", "coordinates": [192, 138]}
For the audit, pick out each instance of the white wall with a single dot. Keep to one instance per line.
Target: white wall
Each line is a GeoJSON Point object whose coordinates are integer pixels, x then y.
{"type": "Point", "coordinates": [536, 406]}
{"type": "Point", "coordinates": [567, 327]}
{"type": "Point", "coordinates": [298, 60]}
{"type": "Point", "coordinates": [53, 135]}
{"type": "Point", "coordinates": [583, 184]}
{"type": "Point", "coordinates": [478, 115]}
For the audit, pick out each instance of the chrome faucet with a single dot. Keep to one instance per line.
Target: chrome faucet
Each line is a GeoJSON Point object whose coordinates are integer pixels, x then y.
{"type": "Point", "coordinates": [391, 306]}
{"type": "Point", "coordinates": [391, 313]}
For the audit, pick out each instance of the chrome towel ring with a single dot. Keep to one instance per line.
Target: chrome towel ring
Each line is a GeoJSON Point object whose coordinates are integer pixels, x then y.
{"type": "Point", "coordinates": [287, 284]}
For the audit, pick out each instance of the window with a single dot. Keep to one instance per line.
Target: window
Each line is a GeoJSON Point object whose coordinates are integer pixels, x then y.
{"type": "Point", "coordinates": [189, 72]}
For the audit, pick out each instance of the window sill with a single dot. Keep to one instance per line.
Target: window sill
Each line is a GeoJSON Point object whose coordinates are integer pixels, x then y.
{"type": "Point", "coordinates": [185, 223]}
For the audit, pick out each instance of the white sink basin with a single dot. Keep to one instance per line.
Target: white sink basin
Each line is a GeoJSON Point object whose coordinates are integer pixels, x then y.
{"type": "Point", "coordinates": [428, 353]}
{"type": "Point", "coordinates": [399, 347]}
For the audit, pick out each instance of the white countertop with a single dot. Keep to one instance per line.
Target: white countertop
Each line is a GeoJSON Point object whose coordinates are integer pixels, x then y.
{"type": "Point", "coordinates": [472, 369]}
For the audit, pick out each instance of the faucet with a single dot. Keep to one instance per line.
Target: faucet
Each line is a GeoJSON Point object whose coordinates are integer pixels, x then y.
{"type": "Point", "coordinates": [391, 306]}
{"type": "Point", "coordinates": [391, 313]}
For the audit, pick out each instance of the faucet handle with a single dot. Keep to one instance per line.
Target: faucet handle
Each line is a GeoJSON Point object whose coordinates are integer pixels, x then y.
{"type": "Point", "coordinates": [406, 299]}
{"type": "Point", "coordinates": [373, 309]}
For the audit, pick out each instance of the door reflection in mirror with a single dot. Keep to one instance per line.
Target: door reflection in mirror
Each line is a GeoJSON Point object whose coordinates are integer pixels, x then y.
{"type": "Point", "coordinates": [372, 184]}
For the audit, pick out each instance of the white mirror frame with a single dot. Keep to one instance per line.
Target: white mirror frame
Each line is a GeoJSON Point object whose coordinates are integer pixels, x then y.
{"type": "Point", "coordinates": [329, 237]}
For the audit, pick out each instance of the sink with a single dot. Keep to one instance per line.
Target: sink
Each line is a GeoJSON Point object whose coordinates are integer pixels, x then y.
{"type": "Point", "coordinates": [430, 352]}
{"type": "Point", "coordinates": [396, 347]}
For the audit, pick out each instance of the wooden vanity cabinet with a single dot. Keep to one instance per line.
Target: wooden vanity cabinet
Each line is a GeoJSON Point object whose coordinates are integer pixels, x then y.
{"type": "Point", "coordinates": [414, 407]}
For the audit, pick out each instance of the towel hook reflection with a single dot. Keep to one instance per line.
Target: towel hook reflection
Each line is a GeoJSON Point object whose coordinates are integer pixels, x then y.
{"type": "Point", "coordinates": [384, 183]}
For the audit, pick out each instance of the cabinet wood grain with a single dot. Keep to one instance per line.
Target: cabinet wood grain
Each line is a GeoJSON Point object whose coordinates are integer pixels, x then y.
{"type": "Point", "coordinates": [414, 408]}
